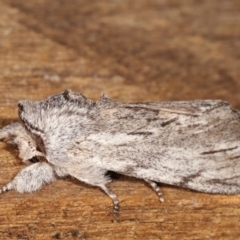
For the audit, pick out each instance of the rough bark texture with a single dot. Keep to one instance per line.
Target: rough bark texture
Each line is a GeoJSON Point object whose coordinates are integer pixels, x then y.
{"type": "Point", "coordinates": [132, 51]}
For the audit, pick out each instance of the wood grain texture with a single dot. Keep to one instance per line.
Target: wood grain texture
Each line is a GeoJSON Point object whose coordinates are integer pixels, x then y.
{"type": "Point", "coordinates": [132, 51]}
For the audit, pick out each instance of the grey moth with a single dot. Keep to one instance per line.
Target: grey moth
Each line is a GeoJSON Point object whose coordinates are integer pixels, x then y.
{"type": "Point", "coordinates": [191, 144]}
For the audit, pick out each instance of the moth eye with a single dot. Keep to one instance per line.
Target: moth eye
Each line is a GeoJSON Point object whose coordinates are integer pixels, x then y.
{"type": "Point", "coordinates": [33, 159]}
{"type": "Point", "coordinates": [20, 107]}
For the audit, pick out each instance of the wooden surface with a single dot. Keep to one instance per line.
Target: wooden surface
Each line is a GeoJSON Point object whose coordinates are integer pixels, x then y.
{"type": "Point", "coordinates": [150, 50]}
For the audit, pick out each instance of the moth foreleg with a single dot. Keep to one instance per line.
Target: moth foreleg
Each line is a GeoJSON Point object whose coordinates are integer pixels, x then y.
{"type": "Point", "coordinates": [16, 134]}
{"type": "Point", "coordinates": [156, 189]}
{"type": "Point", "coordinates": [31, 178]}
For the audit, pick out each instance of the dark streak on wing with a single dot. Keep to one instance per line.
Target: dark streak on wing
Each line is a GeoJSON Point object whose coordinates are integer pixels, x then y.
{"type": "Point", "coordinates": [152, 119]}
{"type": "Point", "coordinates": [223, 181]}
{"type": "Point", "coordinates": [220, 104]}
{"type": "Point", "coordinates": [187, 179]}
{"type": "Point", "coordinates": [140, 133]}
{"type": "Point", "coordinates": [238, 156]}
{"type": "Point", "coordinates": [164, 124]}
{"type": "Point", "coordinates": [126, 118]}
{"type": "Point", "coordinates": [220, 150]}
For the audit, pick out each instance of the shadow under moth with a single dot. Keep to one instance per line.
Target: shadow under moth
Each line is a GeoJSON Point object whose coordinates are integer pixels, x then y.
{"type": "Point", "coordinates": [191, 144]}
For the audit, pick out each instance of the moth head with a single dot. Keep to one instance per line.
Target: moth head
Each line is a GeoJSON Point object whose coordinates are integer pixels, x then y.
{"type": "Point", "coordinates": [47, 119]}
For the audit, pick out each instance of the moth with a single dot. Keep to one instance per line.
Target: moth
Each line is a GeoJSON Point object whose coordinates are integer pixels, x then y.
{"type": "Point", "coordinates": [190, 144]}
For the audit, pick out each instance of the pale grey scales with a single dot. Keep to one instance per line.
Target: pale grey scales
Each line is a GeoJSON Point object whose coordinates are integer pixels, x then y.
{"type": "Point", "coordinates": [191, 144]}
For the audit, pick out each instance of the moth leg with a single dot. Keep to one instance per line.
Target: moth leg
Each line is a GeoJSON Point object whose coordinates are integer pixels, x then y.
{"type": "Point", "coordinates": [31, 178]}
{"type": "Point", "coordinates": [156, 189]}
{"type": "Point", "coordinates": [16, 134]}
{"type": "Point", "coordinates": [114, 199]}
{"type": "Point", "coordinates": [96, 177]}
